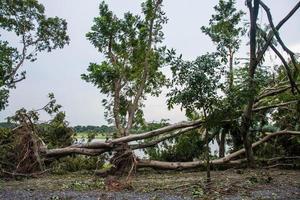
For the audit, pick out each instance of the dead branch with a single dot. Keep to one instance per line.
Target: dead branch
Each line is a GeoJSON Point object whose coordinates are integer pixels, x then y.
{"type": "Point", "coordinates": [283, 158]}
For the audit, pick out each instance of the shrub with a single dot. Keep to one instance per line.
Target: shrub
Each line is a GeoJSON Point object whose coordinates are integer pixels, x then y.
{"type": "Point", "coordinates": [76, 163]}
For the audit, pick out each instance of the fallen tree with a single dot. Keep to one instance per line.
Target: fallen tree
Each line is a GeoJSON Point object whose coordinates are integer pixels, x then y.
{"type": "Point", "coordinates": [227, 159]}
{"type": "Point", "coordinates": [98, 147]}
{"type": "Point", "coordinates": [123, 150]}
{"type": "Point", "coordinates": [114, 145]}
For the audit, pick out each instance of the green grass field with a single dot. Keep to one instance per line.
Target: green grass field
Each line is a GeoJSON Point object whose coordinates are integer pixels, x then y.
{"type": "Point", "coordinates": [84, 135]}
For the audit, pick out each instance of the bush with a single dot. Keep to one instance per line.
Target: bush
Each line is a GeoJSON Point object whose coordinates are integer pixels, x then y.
{"type": "Point", "coordinates": [183, 148]}
{"type": "Point", "coordinates": [7, 149]}
{"type": "Point", "coordinates": [57, 132]}
{"type": "Point", "coordinates": [76, 163]}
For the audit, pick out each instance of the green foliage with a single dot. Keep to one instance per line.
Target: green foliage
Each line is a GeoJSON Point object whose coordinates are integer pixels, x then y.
{"type": "Point", "coordinates": [98, 129]}
{"type": "Point", "coordinates": [23, 116]}
{"type": "Point", "coordinates": [237, 97]}
{"type": "Point", "coordinates": [198, 192]}
{"type": "Point", "coordinates": [224, 28]}
{"type": "Point", "coordinates": [26, 19]}
{"type": "Point", "coordinates": [57, 132]}
{"type": "Point", "coordinates": [152, 126]}
{"type": "Point", "coordinates": [76, 163]}
{"type": "Point", "coordinates": [7, 153]}
{"type": "Point", "coordinates": [131, 68]}
{"type": "Point", "coordinates": [287, 117]}
{"type": "Point", "coordinates": [270, 150]}
{"type": "Point", "coordinates": [183, 148]}
{"type": "Point", "coordinates": [195, 84]}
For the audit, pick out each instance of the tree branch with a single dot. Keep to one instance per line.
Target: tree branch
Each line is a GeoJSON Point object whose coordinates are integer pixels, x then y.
{"type": "Point", "coordinates": [73, 150]}
{"type": "Point", "coordinates": [271, 34]}
{"type": "Point", "coordinates": [275, 105]}
{"type": "Point", "coordinates": [163, 138]}
{"type": "Point", "coordinates": [23, 56]}
{"type": "Point", "coordinates": [274, 91]}
{"type": "Point", "coordinates": [140, 136]}
{"type": "Point", "coordinates": [226, 160]}
{"type": "Point", "coordinates": [276, 33]}
{"type": "Point", "coordinates": [133, 107]}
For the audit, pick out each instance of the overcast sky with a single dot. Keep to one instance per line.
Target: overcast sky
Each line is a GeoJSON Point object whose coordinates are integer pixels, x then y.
{"type": "Point", "coordinates": [59, 71]}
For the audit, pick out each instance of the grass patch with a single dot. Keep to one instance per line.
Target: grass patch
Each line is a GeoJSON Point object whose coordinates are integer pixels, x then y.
{"type": "Point", "coordinates": [85, 185]}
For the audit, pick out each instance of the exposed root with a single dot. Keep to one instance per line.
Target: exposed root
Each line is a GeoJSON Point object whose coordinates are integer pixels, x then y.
{"type": "Point", "coordinates": [123, 161]}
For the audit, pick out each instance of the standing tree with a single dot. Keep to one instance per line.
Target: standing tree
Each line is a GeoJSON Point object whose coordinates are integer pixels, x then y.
{"type": "Point", "coordinates": [226, 31]}
{"type": "Point", "coordinates": [133, 58]}
{"type": "Point", "coordinates": [37, 33]}
{"type": "Point", "coordinates": [256, 55]}
{"type": "Point", "coordinates": [195, 88]}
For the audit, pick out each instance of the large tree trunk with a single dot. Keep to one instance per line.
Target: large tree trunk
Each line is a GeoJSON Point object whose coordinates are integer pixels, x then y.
{"type": "Point", "coordinates": [247, 114]}
{"type": "Point", "coordinates": [255, 59]}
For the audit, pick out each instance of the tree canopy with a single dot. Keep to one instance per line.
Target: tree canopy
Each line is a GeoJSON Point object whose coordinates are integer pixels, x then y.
{"type": "Point", "coordinates": [36, 32]}
{"type": "Point", "coordinates": [133, 59]}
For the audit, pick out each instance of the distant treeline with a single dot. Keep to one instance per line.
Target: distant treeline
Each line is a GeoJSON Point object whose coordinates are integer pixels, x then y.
{"type": "Point", "coordinates": [102, 129]}
{"type": "Point", "coordinates": [90, 128]}
{"type": "Point", "coordinates": [7, 125]}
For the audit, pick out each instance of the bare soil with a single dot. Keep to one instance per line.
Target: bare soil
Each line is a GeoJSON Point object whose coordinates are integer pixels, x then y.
{"type": "Point", "coordinates": [155, 185]}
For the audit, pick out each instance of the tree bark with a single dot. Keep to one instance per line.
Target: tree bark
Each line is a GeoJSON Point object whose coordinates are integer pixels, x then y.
{"type": "Point", "coordinates": [163, 138]}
